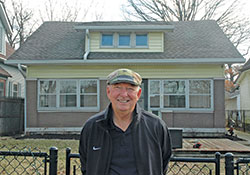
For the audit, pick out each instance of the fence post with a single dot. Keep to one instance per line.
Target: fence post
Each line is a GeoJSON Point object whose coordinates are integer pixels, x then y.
{"type": "Point", "coordinates": [53, 160]}
{"type": "Point", "coordinates": [217, 165]}
{"type": "Point", "coordinates": [229, 164]}
{"type": "Point", "coordinates": [68, 150]}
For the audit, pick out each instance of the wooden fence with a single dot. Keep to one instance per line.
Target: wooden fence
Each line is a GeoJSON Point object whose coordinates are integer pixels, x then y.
{"type": "Point", "coordinates": [11, 116]}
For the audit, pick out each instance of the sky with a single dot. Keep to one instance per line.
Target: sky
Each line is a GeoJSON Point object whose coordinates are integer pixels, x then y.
{"type": "Point", "coordinates": [110, 10]}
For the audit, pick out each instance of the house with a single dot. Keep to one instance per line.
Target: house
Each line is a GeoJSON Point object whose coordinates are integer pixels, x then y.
{"type": "Point", "coordinates": [11, 80]}
{"type": "Point", "coordinates": [243, 81]}
{"type": "Point", "coordinates": [182, 65]}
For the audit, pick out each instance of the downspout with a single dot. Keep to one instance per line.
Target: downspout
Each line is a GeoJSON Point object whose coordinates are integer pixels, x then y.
{"type": "Point", "coordinates": [88, 45]}
{"type": "Point", "coordinates": [25, 98]}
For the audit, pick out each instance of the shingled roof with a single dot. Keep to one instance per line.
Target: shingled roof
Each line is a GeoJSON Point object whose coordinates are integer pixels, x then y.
{"type": "Point", "coordinates": [189, 40]}
{"type": "Point", "coordinates": [246, 66]}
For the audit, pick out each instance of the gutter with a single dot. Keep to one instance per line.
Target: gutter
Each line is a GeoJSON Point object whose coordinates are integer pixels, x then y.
{"type": "Point", "coordinates": [131, 61]}
{"type": "Point", "coordinates": [88, 45]}
{"type": "Point", "coordinates": [25, 96]}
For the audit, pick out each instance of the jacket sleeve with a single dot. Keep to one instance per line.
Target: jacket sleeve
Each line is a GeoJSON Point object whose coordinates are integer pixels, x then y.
{"type": "Point", "coordinates": [83, 150]}
{"type": "Point", "coordinates": [166, 145]}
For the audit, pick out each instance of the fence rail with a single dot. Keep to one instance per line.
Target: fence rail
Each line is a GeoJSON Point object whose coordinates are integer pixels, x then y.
{"type": "Point", "coordinates": [177, 165]}
{"type": "Point", "coordinates": [239, 119]}
{"type": "Point", "coordinates": [11, 115]}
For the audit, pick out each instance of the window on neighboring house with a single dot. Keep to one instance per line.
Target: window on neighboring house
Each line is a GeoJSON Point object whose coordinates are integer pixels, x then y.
{"type": "Point", "coordinates": [124, 40]}
{"type": "Point", "coordinates": [1, 39]}
{"type": "Point", "coordinates": [141, 40]}
{"type": "Point", "coordinates": [64, 94]}
{"type": "Point", "coordinates": [180, 94]}
{"type": "Point", "coordinates": [2, 89]}
{"type": "Point", "coordinates": [107, 40]}
{"type": "Point", "coordinates": [15, 90]}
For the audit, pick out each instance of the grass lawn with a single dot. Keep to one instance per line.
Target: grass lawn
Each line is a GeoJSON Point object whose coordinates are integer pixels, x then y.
{"type": "Point", "coordinates": [7, 164]}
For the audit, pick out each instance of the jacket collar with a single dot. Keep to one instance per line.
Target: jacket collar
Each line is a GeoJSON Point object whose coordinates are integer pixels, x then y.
{"type": "Point", "coordinates": [105, 122]}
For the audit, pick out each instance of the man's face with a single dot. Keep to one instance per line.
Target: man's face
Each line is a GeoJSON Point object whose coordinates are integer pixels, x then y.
{"type": "Point", "coordinates": [123, 96]}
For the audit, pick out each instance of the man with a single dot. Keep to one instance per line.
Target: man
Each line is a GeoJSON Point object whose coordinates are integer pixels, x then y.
{"type": "Point", "coordinates": [124, 139]}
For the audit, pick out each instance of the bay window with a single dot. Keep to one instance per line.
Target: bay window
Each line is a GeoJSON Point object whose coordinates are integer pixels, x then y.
{"type": "Point", "coordinates": [180, 94]}
{"type": "Point", "coordinates": [66, 94]}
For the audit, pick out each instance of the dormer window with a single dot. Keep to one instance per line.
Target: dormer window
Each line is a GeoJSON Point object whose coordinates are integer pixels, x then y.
{"type": "Point", "coordinates": [141, 40]}
{"type": "Point", "coordinates": [107, 40]}
{"type": "Point", "coordinates": [124, 40]}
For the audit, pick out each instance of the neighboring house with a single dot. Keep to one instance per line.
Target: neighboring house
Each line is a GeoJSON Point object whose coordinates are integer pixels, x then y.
{"type": "Point", "coordinates": [243, 82]}
{"type": "Point", "coordinates": [11, 80]}
{"type": "Point", "coordinates": [182, 65]}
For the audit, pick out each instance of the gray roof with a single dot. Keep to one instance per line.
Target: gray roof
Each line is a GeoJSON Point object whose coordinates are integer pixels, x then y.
{"type": "Point", "coordinates": [246, 66]}
{"type": "Point", "coordinates": [190, 39]}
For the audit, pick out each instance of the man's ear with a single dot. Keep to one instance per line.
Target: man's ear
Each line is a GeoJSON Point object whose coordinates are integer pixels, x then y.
{"type": "Point", "coordinates": [108, 90]}
{"type": "Point", "coordinates": [139, 93]}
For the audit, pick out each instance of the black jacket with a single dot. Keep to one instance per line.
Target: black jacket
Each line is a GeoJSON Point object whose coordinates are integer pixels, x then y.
{"type": "Point", "coordinates": [151, 141]}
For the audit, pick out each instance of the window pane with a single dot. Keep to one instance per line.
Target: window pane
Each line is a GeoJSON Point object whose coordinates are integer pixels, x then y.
{"type": "Point", "coordinates": [67, 100]}
{"type": "Point", "coordinates": [174, 87]}
{"type": "Point", "coordinates": [67, 86]}
{"type": "Point", "coordinates": [174, 101]}
{"type": "Point", "coordinates": [155, 101]}
{"type": "Point", "coordinates": [154, 87]}
{"type": "Point", "coordinates": [141, 40]}
{"type": "Point", "coordinates": [200, 101]}
{"type": "Point", "coordinates": [124, 40]}
{"type": "Point", "coordinates": [107, 40]}
{"type": "Point", "coordinates": [89, 86]}
{"type": "Point", "coordinates": [47, 86]}
{"type": "Point", "coordinates": [47, 101]}
{"type": "Point", "coordinates": [88, 100]}
{"type": "Point", "coordinates": [200, 86]}
{"type": "Point", "coordinates": [15, 87]}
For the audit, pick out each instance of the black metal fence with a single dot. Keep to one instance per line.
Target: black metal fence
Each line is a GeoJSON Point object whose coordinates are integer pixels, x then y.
{"type": "Point", "coordinates": [35, 162]}
{"type": "Point", "coordinates": [11, 115]}
{"type": "Point", "coordinates": [239, 119]}
{"type": "Point", "coordinates": [27, 161]}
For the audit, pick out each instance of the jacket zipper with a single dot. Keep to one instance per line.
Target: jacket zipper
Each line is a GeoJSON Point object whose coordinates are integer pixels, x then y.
{"type": "Point", "coordinates": [110, 152]}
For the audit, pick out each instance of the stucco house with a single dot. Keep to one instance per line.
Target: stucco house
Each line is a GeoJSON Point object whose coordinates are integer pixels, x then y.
{"type": "Point", "coordinates": [11, 80]}
{"type": "Point", "coordinates": [182, 65]}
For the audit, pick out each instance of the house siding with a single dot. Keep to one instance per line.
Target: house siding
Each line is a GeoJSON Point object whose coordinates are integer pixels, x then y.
{"type": "Point", "coordinates": [155, 44]}
{"type": "Point", "coordinates": [157, 71]}
{"type": "Point", "coordinates": [245, 92]}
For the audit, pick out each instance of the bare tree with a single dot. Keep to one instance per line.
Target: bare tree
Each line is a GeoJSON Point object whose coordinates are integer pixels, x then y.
{"type": "Point", "coordinates": [224, 12]}
{"type": "Point", "coordinates": [67, 11]}
{"type": "Point", "coordinates": [20, 19]}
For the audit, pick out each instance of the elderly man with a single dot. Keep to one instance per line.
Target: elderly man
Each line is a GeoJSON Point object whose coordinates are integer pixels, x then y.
{"type": "Point", "coordinates": [124, 139]}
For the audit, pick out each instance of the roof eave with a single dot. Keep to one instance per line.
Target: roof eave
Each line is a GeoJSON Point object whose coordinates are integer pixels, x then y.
{"type": "Point", "coordinates": [133, 61]}
{"type": "Point", "coordinates": [159, 28]}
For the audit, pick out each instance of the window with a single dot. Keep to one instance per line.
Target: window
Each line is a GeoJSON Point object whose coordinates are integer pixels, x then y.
{"type": "Point", "coordinates": [180, 94]}
{"type": "Point", "coordinates": [2, 89]}
{"type": "Point", "coordinates": [15, 90]}
{"type": "Point", "coordinates": [68, 94]}
{"type": "Point", "coordinates": [124, 39]}
{"type": "Point", "coordinates": [141, 40]}
{"type": "Point", "coordinates": [107, 39]}
{"type": "Point", "coordinates": [199, 94]}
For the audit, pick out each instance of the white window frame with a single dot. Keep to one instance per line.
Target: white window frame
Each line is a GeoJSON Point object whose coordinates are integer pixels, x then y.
{"type": "Point", "coordinates": [116, 40]}
{"type": "Point", "coordinates": [111, 46]}
{"type": "Point", "coordinates": [137, 46]}
{"type": "Point", "coordinates": [15, 91]}
{"type": "Point", "coordinates": [69, 109]}
{"type": "Point", "coordinates": [187, 106]}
